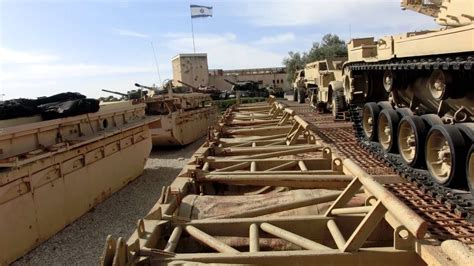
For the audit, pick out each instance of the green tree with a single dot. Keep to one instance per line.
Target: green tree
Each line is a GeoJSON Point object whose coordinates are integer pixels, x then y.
{"type": "Point", "coordinates": [293, 62]}
{"type": "Point", "coordinates": [331, 46]}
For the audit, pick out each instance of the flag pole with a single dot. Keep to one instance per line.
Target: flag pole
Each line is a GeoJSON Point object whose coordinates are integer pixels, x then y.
{"type": "Point", "coordinates": [192, 31]}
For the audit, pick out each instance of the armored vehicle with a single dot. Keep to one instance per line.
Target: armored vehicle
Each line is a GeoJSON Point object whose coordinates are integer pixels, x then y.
{"type": "Point", "coordinates": [299, 86]}
{"type": "Point", "coordinates": [276, 91]}
{"type": "Point", "coordinates": [184, 117]}
{"type": "Point", "coordinates": [324, 84]}
{"type": "Point", "coordinates": [60, 158]}
{"type": "Point", "coordinates": [417, 94]}
{"type": "Point", "coordinates": [211, 90]}
{"type": "Point", "coordinates": [251, 87]}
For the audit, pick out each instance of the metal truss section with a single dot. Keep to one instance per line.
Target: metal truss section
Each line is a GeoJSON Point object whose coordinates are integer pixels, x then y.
{"type": "Point", "coordinates": [265, 188]}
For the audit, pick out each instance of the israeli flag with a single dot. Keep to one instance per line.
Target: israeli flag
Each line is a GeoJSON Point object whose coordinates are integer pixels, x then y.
{"type": "Point", "coordinates": [201, 11]}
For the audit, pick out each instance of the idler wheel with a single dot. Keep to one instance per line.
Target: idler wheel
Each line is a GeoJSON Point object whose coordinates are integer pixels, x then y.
{"type": "Point", "coordinates": [370, 114]}
{"type": "Point", "coordinates": [445, 153]}
{"type": "Point", "coordinates": [470, 168]}
{"type": "Point", "coordinates": [437, 84]}
{"type": "Point", "coordinates": [387, 129]}
{"type": "Point", "coordinates": [412, 132]}
{"type": "Point", "coordinates": [388, 79]}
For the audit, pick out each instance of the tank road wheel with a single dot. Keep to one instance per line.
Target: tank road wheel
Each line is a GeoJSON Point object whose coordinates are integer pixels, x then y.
{"type": "Point", "coordinates": [411, 138]}
{"type": "Point", "coordinates": [387, 129]}
{"type": "Point", "coordinates": [445, 152]}
{"type": "Point", "coordinates": [470, 168]}
{"type": "Point", "coordinates": [437, 84]}
{"type": "Point", "coordinates": [370, 114]}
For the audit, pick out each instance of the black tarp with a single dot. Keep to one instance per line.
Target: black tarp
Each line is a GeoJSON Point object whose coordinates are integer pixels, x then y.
{"type": "Point", "coordinates": [55, 106]}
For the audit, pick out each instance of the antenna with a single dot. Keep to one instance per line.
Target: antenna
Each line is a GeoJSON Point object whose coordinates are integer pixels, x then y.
{"type": "Point", "coordinates": [156, 62]}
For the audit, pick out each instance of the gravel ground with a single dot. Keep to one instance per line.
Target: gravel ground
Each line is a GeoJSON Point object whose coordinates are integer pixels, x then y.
{"type": "Point", "coordinates": [81, 243]}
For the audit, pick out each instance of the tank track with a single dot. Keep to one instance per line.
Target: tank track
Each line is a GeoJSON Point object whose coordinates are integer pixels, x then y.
{"type": "Point", "coordinates": [422, 63]}
{"type": "Point", "coordinates": [461, 202]}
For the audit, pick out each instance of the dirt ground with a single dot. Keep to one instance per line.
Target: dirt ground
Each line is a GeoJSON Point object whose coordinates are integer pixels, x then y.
{"type": "Point", "coordinates": [81, 243]}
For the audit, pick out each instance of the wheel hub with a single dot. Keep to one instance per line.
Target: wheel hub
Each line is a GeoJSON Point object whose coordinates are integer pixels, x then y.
{"type": "Point", "coordinates": [407, 142]}
{"type": "Point", "coordinates": [439, 157]}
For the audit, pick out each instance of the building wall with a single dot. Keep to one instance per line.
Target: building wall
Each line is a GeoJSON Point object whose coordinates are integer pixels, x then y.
{"type": "Point", "coordinates": [193, 70]}
{"type": "Point", "coordinates": [190, 68]}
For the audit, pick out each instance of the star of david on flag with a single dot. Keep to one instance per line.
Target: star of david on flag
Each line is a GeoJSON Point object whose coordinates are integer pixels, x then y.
{"type": "Point", "coordinates": [201, 11]}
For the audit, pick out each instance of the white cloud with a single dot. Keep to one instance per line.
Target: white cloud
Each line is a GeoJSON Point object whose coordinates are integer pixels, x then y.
{"type": "Point", "coordinates": [32, 76]}
{"type": "Point", "coordinates": [130, 33]}
{"type": "Point", "coordinates": [330, 13]}
{"type": "Point", "coordinates": [225, 51]}
{"type": "Point", "coordinates": [20, 57]}
{"type": "Point", "coordinates": [277, 39]}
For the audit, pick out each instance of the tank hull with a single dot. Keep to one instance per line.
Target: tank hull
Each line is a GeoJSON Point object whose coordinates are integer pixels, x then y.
{"type": "Point", "coordinates": [44, 190]}
{"type": "Point", "coordinates": [411, 76]}
{"type": "Point", "coordinates": [182, 128]}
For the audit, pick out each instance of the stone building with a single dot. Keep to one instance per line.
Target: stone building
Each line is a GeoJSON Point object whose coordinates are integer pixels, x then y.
{"type": "Point", "coordinates": [190, 68]}
{"type": "Point", "coordinates": [193, 69]}
{"type": "Point", "coordinates": [275, 77]}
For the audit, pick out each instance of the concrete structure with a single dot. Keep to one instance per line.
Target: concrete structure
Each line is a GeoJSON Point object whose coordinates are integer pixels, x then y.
{"type": "Point", "coordinates": [191, 69]}
{"type": "Point", "coordinates": [275, 77]}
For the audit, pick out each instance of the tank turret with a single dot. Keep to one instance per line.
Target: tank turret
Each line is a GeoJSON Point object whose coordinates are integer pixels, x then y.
{"type": "Point", "coordinates": [452, 13]}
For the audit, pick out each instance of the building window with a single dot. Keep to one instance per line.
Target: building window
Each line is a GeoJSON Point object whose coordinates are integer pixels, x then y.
{"type": "Point", "coordinates": [282, 81]}
{"type": "Point", "coordinates": [278, 81]}
{"type": "Point", "coordinates": [273, 81]}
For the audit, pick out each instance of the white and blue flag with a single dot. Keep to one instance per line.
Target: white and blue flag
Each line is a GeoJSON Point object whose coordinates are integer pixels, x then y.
{"type": "Point", "coordinates": [201, 11]}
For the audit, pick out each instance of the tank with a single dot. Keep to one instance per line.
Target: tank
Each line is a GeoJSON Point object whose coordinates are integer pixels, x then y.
{"type": "Point", "coordinates": [251, 87]}
{"type": "Point", "coordinates": [211, 90]}
{"type": "Point", "coordinates": [53, 169]}
{"type": "Point", "coordinates": [183, 117]}
{"type": "Point", "coordinates": [416, 94]}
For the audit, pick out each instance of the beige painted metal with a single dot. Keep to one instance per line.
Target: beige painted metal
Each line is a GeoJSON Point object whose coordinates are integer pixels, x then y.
{"type": "Point", "coordinates": [349, 233]}
{"type": "Point", "coordinates": [55, 171]}
{"type": "Point", "coordinates": [184, 118]}
{"type": "Point", "coordinates": [455, 38]}
{"type": "Point", "coordinates": [458, 251]}
{"type": "Point", "coordinates": [323, 79]}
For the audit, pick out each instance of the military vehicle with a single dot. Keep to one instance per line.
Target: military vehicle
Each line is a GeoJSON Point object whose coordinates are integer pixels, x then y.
{"type": "Point", "coordinates": [183, 117]}
{"type": "Point", "coordinates": [324, 85]}
{"type": "Point", "coordinates": [252, 88]}
{"type": "Point", "coordinates": [276, 91]}
{"type": "Point", "coordinates": [61, 156]}
{"type": "Point", "coordinates": [299, 88]}
{"type": "Point", "coordinates": [416, 91]}
{"type": "Point", "coordinates": [211, 90]}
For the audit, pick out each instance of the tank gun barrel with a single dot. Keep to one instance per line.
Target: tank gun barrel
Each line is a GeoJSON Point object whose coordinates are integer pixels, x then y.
{"type": "Point", "coordinates": [145, 87]}
{"type": "Point", "coordinates": [186, 84]}
{"type": "Point", "coordinates": [231, 82]}
{"type": "Point", "coordinates": [116, 92]}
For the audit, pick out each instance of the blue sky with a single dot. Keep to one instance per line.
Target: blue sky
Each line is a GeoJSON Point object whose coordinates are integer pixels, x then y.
{"type": "Point", "coordinates": [53, 46]}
